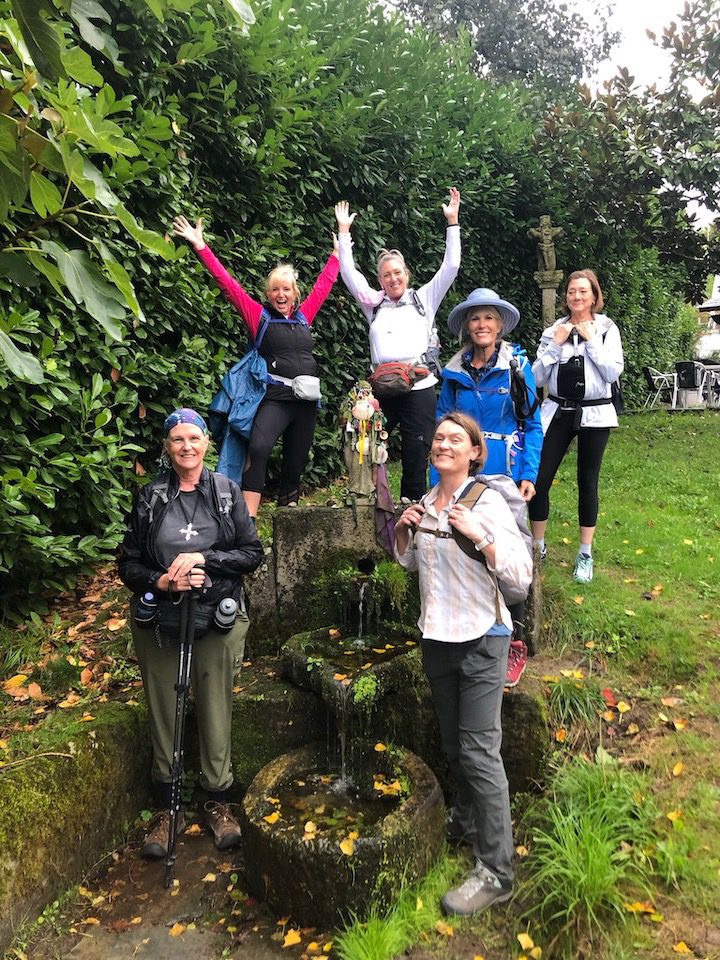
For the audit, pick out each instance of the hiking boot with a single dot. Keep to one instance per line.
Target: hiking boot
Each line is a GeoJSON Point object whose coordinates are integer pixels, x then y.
{"type": "Point", "coordinates": [583, 571]}
{"type": "Point", "coordinates": [222, 823]}
{"type": "Point", "coordinates": [479, 891]}
{"type": "Point", "coordinates": [158, 836]}
{"type": "Point", "coordinates": [517, 661]}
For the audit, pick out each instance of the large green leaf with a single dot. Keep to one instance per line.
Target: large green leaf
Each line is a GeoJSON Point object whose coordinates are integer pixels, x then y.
{"type": "Point", "coordinates": [44, 195]}
{"type": "Point", "coordinates": [22, 364]}
{"type": "Point", "coordinates": [79, 66]}
{"type": "Point", "coordinates": [16, 266]}
{"type": "Point", "coordinates": [83, 13]}
{"type": "Point", "coordinates": [241, 11]}
{"type": "Point", "coordinates": [41, 37]}
{"type": "Point", "coordinates": [88, 287]}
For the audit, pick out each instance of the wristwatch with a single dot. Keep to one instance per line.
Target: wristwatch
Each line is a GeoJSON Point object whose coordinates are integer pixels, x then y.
{"type": "Point", "coordinates": [485, 542]}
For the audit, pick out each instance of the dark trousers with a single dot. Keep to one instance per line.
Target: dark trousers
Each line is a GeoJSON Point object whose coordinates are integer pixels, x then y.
{"type": "Point", "coordinates": [591, 443]}
{"type": "Point", "coordinates": [467, 681]}
{"type": "Point", "coordinates": [414, 412]}
{"type": "Point", "coordinates": [292, 419]}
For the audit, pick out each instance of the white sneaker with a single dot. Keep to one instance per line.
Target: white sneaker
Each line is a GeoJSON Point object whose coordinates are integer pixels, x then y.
{"type": "Point", "coordinates": [583, 571]}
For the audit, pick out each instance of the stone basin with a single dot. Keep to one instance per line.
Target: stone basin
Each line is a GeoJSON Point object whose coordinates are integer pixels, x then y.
{"type": "Point", "coordinates": [311, 878]}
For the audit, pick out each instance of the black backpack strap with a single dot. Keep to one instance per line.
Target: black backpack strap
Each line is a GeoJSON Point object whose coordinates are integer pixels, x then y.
{"type": "Point", "coordinates": [262, 329]}
{"type": "Point", "coordinates": [160, 492]}
{"type": "Point", "coordinates": [223, 494]}
{"type": "Point", "coordinates": [523, 406]}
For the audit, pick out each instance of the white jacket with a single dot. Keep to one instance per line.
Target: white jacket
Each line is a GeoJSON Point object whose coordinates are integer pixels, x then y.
{"type": "Point", "coordinates": [603, 365]}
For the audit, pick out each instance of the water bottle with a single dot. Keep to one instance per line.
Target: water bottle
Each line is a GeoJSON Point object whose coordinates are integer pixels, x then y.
{"type": "Point", "coordinates": [146, 609]}
{"type": "Point", "coordinates": [225, 615]}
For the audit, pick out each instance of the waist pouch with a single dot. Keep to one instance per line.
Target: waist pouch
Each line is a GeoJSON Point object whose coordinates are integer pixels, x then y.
{"type": "Point", "coordinates": [571, 379]}
{"type": "Point", "coordinates": [395, 378]}
{"type": "Point", "coordinates": [305, 387]}
{"type": "Point", "coordinates": [169, 618]}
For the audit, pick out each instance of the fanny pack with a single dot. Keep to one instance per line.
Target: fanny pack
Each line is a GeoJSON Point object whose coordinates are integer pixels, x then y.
{"type": "Point", "coordinates": [304, 387]}
{"type": "Point", "coordinates": [396, 378]}
{"type": "Point", "coordinates": [168, 618]}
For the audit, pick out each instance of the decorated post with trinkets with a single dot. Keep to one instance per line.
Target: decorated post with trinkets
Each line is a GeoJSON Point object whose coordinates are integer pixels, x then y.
{"type": "Point", "coordinates": [364, 441]}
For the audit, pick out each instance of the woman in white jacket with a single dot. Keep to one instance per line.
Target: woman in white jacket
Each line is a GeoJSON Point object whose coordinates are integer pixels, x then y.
{"type": "Point", "coordinates": [579, 359]}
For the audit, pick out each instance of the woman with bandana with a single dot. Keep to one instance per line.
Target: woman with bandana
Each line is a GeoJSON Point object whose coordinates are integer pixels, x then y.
{"type": "Point", "coordinates": [189, 529]}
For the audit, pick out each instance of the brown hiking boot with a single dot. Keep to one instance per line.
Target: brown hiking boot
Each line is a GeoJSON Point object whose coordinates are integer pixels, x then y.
{"type": "Point", "coordinates": [158, 836]}
{"type": "Point", "coordinates": [222, 823]}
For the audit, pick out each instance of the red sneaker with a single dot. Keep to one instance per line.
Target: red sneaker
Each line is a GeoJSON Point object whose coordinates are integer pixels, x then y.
{"type": "Point", "coordinates": [517, 661]}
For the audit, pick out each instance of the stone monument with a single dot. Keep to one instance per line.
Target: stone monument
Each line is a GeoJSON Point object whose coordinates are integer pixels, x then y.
{"type": "Point", "coordinates": [364, 441]}
{"type": "Point", "coordinates": [547, 276]}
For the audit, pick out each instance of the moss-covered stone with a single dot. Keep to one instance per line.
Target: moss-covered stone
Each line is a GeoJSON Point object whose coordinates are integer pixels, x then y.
{"type": "Point", "coordinates": [314, 881]}
{"type": "Point", "coordinates": [59, 814]}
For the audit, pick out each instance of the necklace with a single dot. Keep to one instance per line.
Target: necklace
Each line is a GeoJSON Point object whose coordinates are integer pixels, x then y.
{"type": "Point", "coordinates": [188, 530]}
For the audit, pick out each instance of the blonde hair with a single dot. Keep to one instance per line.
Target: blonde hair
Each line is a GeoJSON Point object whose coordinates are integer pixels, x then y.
{"type": "Point", "coordinates": [284, 271]}
{"type": "Point", "coordinates": [384, 255]}
{"type": "Point", "coordinates": [464, 334]}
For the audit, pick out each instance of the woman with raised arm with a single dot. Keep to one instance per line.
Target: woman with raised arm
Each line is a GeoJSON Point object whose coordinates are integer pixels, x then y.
{"type": "Point", "coordinates": [579, 359]}
{"type": "Point", "coordinates": [461, 545]}
{"type": "Point", "coordinates": [402, 331]}
{"type": "Point", "coordinates": [280, 329]}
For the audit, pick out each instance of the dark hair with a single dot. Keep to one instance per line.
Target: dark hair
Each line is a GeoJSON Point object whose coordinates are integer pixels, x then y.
{"type": "Point", "coordinates": [588, 275]}
{"type": "Point", "coordinates": [473, 430]}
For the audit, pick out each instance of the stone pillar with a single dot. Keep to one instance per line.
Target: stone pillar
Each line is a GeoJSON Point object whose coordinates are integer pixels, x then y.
{"type": "Point", "coordinates": [548, 281]}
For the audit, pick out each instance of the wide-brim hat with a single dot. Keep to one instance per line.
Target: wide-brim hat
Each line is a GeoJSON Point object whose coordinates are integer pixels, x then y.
{"type": "Point", "coordinates": [484, 297]}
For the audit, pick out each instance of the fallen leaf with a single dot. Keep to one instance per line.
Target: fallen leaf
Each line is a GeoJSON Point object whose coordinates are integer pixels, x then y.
{"type": "Point", "coordinates": [664, 718]}
{"type": "Point", "coordinates": [678, 769]}
{"type": "Point", "coordinates": [419, 904]}
{"type": "Point", "coordinates": [674, 815]}
{"type": "Point", "coordinates": [623, 707]}
{"type": "Point", "coordinates": [630, 613]}
{"type": "Point", "coordinates": [640, 906]}
{"type": "Point", "coordinates": [333, 634]}
{"type": "Point", "coordinates": [565, 540]}
{"type": "Point", "coordinates": [561, 735]}
{"type": "Point", "coordinates": [86, 718]}
{"type": "Point", "coordinates": [86, 676]}
{"type": "Point", "coordinates": [340, 676]}
{"type": "Point", "coordinates": [71, 700]}
{"type": "Point", "coordinates": [680, 724]}
{"type": "Point", "coordinates": [209, 878]}
{"type": "Point", "coordinates": [291, 938]}
{"type": "Point", "coordinates": [177, 929]}
{"type": "Point", "coordinates": [609, 697]}
{"type": "Point", "coordinates": [91, 922]}
{"type": "Point", "coordinates": [608, 715]}
{"type": "Point", "coordinates": [193, 830]}
{"type": "Point", "coordinates": [444, 928]}
{"type": "Point", "coordinates": [632, 729]}
{"type": "Point", "coordinates": [681, 946]}
{"type": "Point", "coordinates": [328, 947]}
{"type": "Point", "coordinates": [688, 543]}
{"type": "Point", "coordinates": [671, 701]}
{"type": "Point", "coordinates": [17, 681]}
{"type": "Point", "coordinates": [34, 691]}
{"type": "Point", "coordinates": [347, 846]}
{"type": "Point", "coordinates": [536, 953]}
{"type": "Point", "coordinates": [521, 851]}
{"type": "Point", "coordinates": [526, 941]}
{"type": "Point", "coordinates": [579, 600]}
{"type": "Point", "coordinates": [135, 921]}
{"type": "Point", "coordinates": [272, 817]}
{"type": "Point", "coordinates": [379, 747]}
{"type": "Point", "coordinates": [639, 551]}
{"type": "Point", "coordinates": [590, 645]}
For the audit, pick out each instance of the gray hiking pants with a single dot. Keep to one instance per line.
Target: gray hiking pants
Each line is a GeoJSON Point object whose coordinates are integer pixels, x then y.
{"type": "Point", "coordinates": [216, 662]}
{"type": "Point", "coordinates": [467, 682]}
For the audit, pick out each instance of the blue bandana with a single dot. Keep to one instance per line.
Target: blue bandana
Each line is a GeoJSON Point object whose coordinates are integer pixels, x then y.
{"type": "Point", "coordinates": [184, 415]}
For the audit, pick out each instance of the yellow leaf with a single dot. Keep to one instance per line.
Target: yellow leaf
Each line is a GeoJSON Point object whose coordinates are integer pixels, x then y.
{"type": "Point", "coordinates": [3, 744]}
{"type": "Point", "coordinates": [526, 941]}
{"type": "Point", "coordinates": [608, 715]}
{"type": "Point", "coordinates": [17, 681]}
{"type": "Point", "coordinates": [565, 540]}
{"type": "Point", "coordinates": [478, 957]}
{"type": "Point", "coordinates": [682, 947]}
{"type": "Point", "coordinates": [91, 921]}
{"type": "Point", "coordinates": [630, 580]}
{"type": "Point", "coordinates": [561, 735]}
{"type": "Point", "coordinates": [379, 747]}
{"type": "Point", "coordinates": [419, 903]}
{"type": "Point", "coordinates": [566, 673]}
{"type": "Point", "coordinates": [640, 906]}
{"type": "Point", "coordinates": [353, 835]}
{"type": "Point", "coordinates": [310, 827]}
{"type": "Point", "coordinates": [521, 851]}
{"type": "Point", "coordinates": [688, 543]}
{"type": "Point", "coordinates": [272, 817]}
{"type": "Point", "coordinates": [347, 846]}
{"type": "Point", "coordinates": [86, 718]}
{"type": "Point", "coordinates": [678, 769]}
{"type": "Point", "coordinates": [629, 613]}
{"type": "Point", "coordinates": [313, 947]}
{"type": "Point", "coordinates": [679, 724]}
{"type": "Point", "coordinates": [339, 676]}
{"type": "Point", "coordinates": [623, 707]}
{"type": "Point", "coordinates": [664, 718]}
{"type": "Point", "coordinates": [590, 645]}
{"type": "Point", "coordinates": [328, 947]}
{"type": "Point", "coordinates": [579, 600]}
{"type": "Point", "coordinates": [674, 815]}
{"type": "Point", "coordinates": [333, 634]}
{"type": "Point", "coordinates": [291, 938]}
{"type": "Point", "coordinates": [657, 917]}
{"type": "Point", "coordinates": [444, 928]}
{"type": "Point", "coordinates": [550, 677]}
{"type": "Point", "coordinates": [639, 551]}
{"type": "Point", "coordinates": [276, 800]}
{"type": "Point", "coordinates": [209, 878]}
{"type": "Point", "coordinates": [536, 953]}
{"type": "Point", "coordinates": [115, 623]}
{"type": "Point", "coordinates": [632, 729]}
{"type": "Point", "coordinates": [193, 830]}
{"type": "Point", "coordinates": [135, 921]}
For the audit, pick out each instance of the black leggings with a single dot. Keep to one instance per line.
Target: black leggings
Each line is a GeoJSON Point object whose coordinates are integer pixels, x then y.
{"type": "Point", "coordinates": [295, 421]}
{"type": "Point", "coordinates": [591, 447]}
{"type": "Point", "coordinates": [415, 413]}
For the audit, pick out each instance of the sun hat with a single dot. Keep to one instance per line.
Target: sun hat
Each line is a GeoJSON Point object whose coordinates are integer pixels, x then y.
{"type": "Point", "coordinates": [484, 297]}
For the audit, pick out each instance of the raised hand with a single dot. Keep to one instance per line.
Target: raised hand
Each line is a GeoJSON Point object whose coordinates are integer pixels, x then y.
{"type": "Point", "coordinates": [451, 209]}
{"type": "Point", "coordinates": [343, 216]}
{"type": "Point", "coordinates": [194, 235]}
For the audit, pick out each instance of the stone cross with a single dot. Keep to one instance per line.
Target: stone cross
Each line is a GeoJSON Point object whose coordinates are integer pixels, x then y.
{"type": "Point", "coordinates": [547, 276]}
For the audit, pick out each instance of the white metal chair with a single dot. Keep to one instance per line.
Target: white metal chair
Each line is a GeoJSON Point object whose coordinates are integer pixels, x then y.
{"type": "Point", "coordinates": [661, 386]}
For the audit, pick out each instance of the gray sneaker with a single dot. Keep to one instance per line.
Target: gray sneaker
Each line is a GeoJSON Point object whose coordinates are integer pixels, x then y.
{"type": "Point", "coordinates": [479, 891]}
{"type": "Point", "coordinates": [583, 571]}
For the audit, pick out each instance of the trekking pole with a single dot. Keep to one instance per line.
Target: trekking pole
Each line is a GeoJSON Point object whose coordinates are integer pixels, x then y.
{"type": "Point", "coordinates": [187, 635]}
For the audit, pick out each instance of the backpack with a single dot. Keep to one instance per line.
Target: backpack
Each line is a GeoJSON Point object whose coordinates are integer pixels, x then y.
{"type": "Point", "coordinates": [470, 496]}
{"type": "Point", "coordinates": [221, 490]}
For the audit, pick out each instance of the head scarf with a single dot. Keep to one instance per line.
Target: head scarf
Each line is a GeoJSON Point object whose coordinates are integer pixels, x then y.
{"type": "Point", "coordinates": [184, 415]}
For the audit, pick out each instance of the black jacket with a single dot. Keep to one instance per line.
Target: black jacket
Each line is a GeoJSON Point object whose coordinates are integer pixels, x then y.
{"type": "Point", "coordinates": [236, 552]}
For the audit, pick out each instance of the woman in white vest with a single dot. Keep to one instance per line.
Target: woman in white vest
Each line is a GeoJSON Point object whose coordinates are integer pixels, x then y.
{"type": "Point", "coordinates": [402, 330]}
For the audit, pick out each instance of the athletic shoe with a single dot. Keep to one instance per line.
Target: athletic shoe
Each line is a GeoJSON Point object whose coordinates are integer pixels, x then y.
{"type": "Point", "coordinates": [222, 823]}
{"type": "Point", "coordinates": [480, 890]}
{"type": "Point", "coordinates": [158, 836]}
{"type": "Point", "coordinates": [583, 571]}
{"type": "Point", "coordinates": [517, 661]}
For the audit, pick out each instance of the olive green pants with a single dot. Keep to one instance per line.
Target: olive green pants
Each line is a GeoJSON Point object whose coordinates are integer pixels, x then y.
{"type": "Point", "coordinates": [216, 662]}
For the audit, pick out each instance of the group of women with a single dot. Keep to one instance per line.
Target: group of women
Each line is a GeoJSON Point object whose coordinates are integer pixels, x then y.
{"type": "Point", "coordinates": [487, 420]}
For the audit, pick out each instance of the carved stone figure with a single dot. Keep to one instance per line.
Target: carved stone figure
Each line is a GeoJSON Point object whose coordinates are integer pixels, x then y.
{"type": "Point", "coordinates": [364, 440]}
{"type": "Point", "coordinates": [545, 235]}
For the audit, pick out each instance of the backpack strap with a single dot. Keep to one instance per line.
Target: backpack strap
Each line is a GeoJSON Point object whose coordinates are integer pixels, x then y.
{"type": "Point", "coordinates": [416, 302]}
{"type": "Point", "coordinates": [523, 406]}
{"type": "Point", "coordinates": [160, 492]}
{"type": "Point", "coordinates": [223, 494]}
